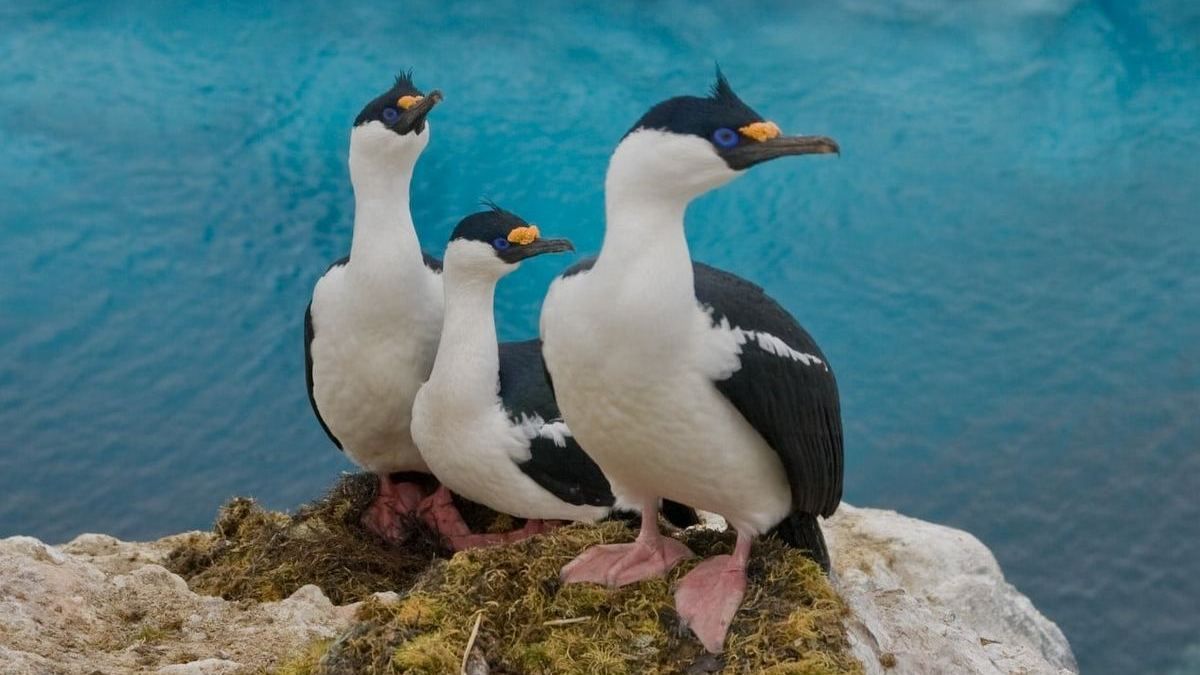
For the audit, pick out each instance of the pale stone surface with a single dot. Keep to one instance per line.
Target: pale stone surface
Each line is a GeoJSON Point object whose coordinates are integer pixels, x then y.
{"type": "Point", "coordinates": [932, 598]}
{"type": "Point", "coordinates": [102, 605]}
{"type": "Point", "coordinates": [935, 600]}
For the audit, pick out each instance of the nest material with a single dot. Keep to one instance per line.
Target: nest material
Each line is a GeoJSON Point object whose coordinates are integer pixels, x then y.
{"type": "Point", "coordinates": [789, 622]}
{"type": "Point", "coordinates": [255, 554]}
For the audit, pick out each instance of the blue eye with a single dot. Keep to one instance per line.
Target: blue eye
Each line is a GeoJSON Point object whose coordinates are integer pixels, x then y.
{"type": "Point", "coordinates": [390, 115]}
{"type": "Point", "coordinates": [725, 137]}
{"type": "Point", "coordinates": [500, 244]}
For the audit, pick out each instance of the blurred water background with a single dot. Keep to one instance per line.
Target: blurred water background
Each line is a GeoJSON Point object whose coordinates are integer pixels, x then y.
{"type": "Point", "coordinates": [1002, 266]}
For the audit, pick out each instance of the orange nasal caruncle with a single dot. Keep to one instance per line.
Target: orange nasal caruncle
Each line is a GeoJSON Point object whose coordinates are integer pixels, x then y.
{"type": "Point", "coordinates": [407, 101]}
{"type": "Point", "coordinates": [524, 235]}
{"type": "Point", "coordinates": [760, 131]}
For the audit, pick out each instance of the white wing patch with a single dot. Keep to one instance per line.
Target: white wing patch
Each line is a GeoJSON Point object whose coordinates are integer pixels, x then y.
{"type": "Point", "coordinates": [777, 347]}
{"type": "Point", "coordinates": [724, 343]}
{"type": "Point", "coordinates": [556, 431]}
{"type": "Point", "coordinates": [534, 426]}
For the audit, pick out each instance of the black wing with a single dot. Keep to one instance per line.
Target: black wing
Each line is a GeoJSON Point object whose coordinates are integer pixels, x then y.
{"type": "Point", "coordinates": [308, 361]}
{"type": "Point", "coordinates": [432, 262]}
{"type": "Point", "coordinates": [792, 403]}
{"type": "Point", "coordinates": [564, 470]}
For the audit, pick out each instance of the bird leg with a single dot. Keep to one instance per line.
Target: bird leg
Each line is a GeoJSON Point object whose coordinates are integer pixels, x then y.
{"type": "Point", "coordinates": [615, 565]}
{"type": "Point", "coordinates": [396, 502]}
{"type": "Point", "coordinates": [708, 596]}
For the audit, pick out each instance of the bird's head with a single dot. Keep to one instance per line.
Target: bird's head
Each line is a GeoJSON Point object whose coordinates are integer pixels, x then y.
{"type": "Point", "coordinates": [490, 244]}
{"type": "Point", "coordinates": [391, 131]}
{"type": "Point", "coordinates": [688, 145]}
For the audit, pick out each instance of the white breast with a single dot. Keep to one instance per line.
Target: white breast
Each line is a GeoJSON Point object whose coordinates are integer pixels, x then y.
{"type": "Point", "coordinates": [641, 401]}
{"type": "Point", "coordinates": [474, 451]}
{"type": "Point", "coordinates": [375, 338]}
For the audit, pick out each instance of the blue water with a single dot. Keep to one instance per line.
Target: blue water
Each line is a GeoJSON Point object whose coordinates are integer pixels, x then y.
{"type": "Point", "coordinates": [1002, 266]}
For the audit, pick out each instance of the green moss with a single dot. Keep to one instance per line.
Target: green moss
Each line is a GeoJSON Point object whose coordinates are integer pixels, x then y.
{"type": "Point", "coordinates": [790, 621]}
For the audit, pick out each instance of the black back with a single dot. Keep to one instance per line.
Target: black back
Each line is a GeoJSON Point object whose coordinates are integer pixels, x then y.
{"type": "Point", "coordinates": [794, 405]}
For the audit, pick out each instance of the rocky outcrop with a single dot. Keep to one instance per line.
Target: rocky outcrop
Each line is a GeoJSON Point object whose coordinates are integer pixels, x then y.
{"type": "Point", "coordinates": [931, 599]}
{"type": "Point", "coordinates": [923, 599]}
{"type": "Point", "coordinates": [99, 605]}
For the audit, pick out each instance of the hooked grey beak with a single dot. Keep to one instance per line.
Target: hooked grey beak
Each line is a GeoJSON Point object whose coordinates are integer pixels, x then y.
{"type": "Point", "coordinates": [413, 119]}
{"type": "Point", "coordinates": [517, 253]}
{"type": "Point", "coordinates": [747, 155]}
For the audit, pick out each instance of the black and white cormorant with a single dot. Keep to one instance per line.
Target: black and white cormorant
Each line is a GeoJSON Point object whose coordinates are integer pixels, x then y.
{"type": "Point", "coordinates": [371, 330]}
{"type": "Point", "coordinates": [686, 382]}
{"type": "Point", "coordinates": [486, 421]}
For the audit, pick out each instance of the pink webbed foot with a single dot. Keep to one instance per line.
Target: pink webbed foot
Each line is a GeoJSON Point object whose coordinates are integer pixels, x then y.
{"type": "Point", "coordinates": [440, 513]}
{"type": "Point", "coordinates": [616, 565]}
{"type": "Point", "coordinates": [531, 527]}
{"type": "Point", "coordinates": [389, 515]}
{"type": "Point", "coordinates": [708, 596]}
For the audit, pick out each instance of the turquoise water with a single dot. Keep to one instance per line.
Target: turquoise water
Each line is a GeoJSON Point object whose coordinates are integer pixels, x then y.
{"type": "Point", "coordinates": [1002, 266]}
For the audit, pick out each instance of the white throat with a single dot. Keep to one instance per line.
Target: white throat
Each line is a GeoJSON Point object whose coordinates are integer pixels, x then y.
{"type": "Point", "coordinates": [467, 366]}
{"type": "Point", "coordinates": [381, 170]}
{"type": "Point", "coordinates": [652, 177]}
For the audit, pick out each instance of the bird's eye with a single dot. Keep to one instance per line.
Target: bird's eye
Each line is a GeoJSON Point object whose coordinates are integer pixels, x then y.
{"type": "Point", "coordinates": [390, 115]}
{"type": "Point", "coordinates": [725, 137]}
{"type": "Point", "coordinates": [500, 243]}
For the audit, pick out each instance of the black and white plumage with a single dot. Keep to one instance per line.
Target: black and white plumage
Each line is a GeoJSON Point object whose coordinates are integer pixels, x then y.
{"type": "Point", "coordinates": [486, 422]}
{"type": "Point", "coordinates": [372, 326]}
{"type": "Point", "coordinates": [685, 382]}
{"type": "Point", "coordinates": [782, 385]}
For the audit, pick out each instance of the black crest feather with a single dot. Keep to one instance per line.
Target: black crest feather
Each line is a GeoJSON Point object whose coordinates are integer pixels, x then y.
{"type": "Point", "coordinates": [721, 91]}
{"type": "Point", "coordinates": [405, 79]}
{"type": "Point", "coordinates": [700, 116]}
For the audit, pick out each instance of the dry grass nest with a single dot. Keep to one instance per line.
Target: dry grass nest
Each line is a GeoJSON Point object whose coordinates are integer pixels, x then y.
{"type": "Point", "coordinates": [789, 622]}
{"type": "Point", "coordinates": [256, 554]}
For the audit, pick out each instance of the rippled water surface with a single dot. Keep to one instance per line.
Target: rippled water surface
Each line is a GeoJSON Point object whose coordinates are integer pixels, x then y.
{"type": "Point", "coordinates": [1002, 266]}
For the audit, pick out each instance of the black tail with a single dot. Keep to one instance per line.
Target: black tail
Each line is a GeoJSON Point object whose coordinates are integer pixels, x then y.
{"type": "Point", "coordinates": [679, 515]}
{"type": "Point", "coordinates": [801, 530]}
{"type": "Point", "coordinates": [675, 513]}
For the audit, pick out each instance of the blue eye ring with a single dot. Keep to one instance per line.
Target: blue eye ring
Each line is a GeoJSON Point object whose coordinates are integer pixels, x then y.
{"type": "Point", "coordinates": [390, 115]}
{"type": "Point", "coordinates": [500, 243]}
{"type": "Point", "coordinates": [725, 137]}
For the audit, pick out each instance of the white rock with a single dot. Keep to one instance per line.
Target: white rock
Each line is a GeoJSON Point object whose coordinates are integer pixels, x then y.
{"type": "Point", "coordinates": [100, 604]}
{"type": "Point", "coordinates": [202, 667]}
{"type": "Point", "coordinates": [934, 599]}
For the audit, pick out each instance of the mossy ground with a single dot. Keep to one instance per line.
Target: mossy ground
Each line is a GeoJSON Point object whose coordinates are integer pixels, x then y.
{"type": "Point", "coordinates": [789, 622]}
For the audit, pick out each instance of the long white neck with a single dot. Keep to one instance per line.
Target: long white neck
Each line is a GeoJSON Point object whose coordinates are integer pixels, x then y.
{"type": "Point", "coordinates": [644, 262]}
{"type": "Point", "coordinates": [383, 224]}
{"type": "Point", "coordinates": [468, 358]}
{"type": "Point", "coordinates": [381, 170]}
